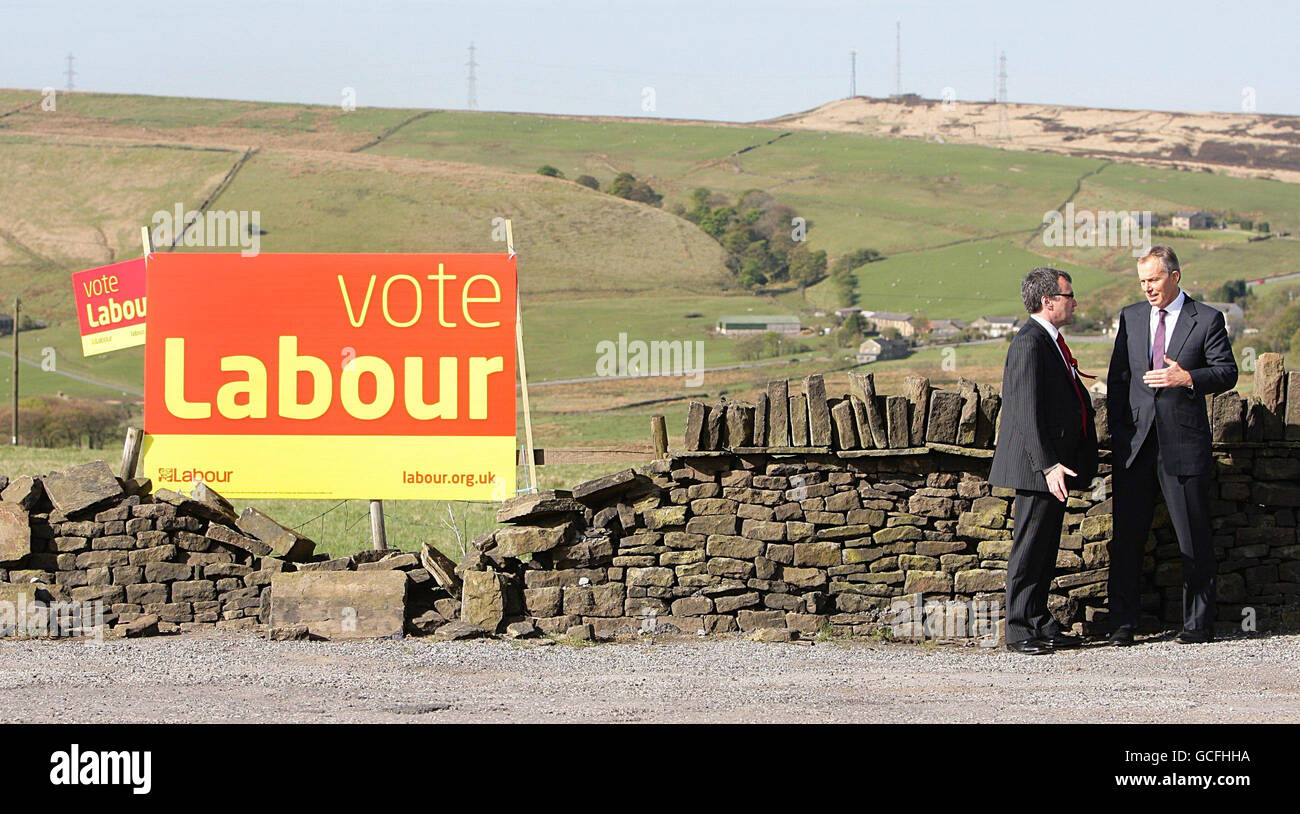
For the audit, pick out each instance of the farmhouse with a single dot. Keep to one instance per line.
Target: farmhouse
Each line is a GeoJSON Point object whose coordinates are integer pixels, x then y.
{"type": "Point", "coordinates": [883, 320]}
{"type": "Point", "coordinates": [880, 348]}
{"type": "Point", "coordinates": [757, 324]}
{"type": "Point", "coordinates": [1193, 220]}
{"type": "Point", "coordinates": [947, 328]}
{"type": "Point", "coordinates": [994, 327]}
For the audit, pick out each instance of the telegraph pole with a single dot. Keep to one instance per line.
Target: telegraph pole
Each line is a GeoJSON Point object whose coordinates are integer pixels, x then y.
{"type": "Point", "coordinates": [17, 305]}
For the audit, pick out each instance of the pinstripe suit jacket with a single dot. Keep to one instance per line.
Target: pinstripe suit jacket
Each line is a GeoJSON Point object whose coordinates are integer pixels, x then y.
{"type": "Point", "coordinates": [1040, 421]}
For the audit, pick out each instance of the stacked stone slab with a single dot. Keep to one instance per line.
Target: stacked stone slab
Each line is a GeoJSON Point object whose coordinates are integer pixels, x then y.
{"type": "Point", "coordinates": [860, 419]}
{"type": "Point", "coordinates": [905, 538]}
{"type": "Point", "coordinates": [161, 561]}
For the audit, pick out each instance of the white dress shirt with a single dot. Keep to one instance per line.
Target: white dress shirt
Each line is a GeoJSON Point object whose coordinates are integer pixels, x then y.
{"type": "Point", "coordinates": [1172, 310]}
{"type": "Point", "coordinates": [1054, 332]}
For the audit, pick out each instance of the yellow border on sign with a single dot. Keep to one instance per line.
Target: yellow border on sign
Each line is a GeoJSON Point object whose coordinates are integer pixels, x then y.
{"type": "Point", "coordinates": [130, 336]}
{"type": "Point", "coordinates": [341, 467]}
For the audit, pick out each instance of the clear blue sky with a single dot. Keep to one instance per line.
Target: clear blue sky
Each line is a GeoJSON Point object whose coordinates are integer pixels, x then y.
{"type": "Point", "coordinates": [736, 61]}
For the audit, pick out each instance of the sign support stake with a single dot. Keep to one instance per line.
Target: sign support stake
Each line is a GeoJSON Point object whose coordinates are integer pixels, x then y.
{"type": "Point", "coordinates": [523, 373]}
{"type": "Point", "coordinates": [377, 534]}
{"type": "Point", "coordinates": [130, 452]}
{"type": "Point", "coordinates": [659, 432]}
{"type": "Point", "coordinates": [17, 322]}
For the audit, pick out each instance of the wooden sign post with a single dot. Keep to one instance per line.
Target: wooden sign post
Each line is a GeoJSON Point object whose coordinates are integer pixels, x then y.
{"type": "Point", "coordinates": [523, 374]}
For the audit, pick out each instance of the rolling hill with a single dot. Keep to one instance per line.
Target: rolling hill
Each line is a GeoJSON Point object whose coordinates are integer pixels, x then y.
{"type": "Point", "coordinates": [959, 221]}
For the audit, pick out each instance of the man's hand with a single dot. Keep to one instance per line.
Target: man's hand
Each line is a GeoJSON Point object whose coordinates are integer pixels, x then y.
{"type": "Point", "coordinates": [1056, 481]}
{"type": "Point", "coordinates": [1171, 375]}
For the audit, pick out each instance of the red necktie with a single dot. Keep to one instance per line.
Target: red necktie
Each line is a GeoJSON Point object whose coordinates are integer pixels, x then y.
{"type": "Point", "coordinates": [1073, 367]}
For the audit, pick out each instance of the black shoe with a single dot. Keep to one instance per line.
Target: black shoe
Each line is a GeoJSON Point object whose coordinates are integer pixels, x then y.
{"type": "Point", "coordinates": [1062, 641]}
{"type": "Point", "coordinates": [1121, 637]}
{"type": "Point", "coordinates": [1030, 647]}
{"type": "Point", "coordinates": [1194, 637]}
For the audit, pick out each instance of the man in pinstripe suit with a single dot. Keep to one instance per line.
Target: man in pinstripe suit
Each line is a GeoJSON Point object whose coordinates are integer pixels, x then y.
{"type": "Point", "coordinates": [1047, 444]}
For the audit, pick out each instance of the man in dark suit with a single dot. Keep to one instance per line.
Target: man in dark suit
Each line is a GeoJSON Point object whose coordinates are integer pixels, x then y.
{"type": "Point", "coordinates": [1047, 444]}
{"type": "Point", "coordinates": [1170, 353]}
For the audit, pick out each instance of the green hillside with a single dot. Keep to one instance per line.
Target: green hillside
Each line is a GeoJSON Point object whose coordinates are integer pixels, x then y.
{"type": "Point", "coordinates": [959, 225]}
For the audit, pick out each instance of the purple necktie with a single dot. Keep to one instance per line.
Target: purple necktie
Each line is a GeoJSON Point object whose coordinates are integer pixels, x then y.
{"type": "Point", "coordinates": [1158, 347]}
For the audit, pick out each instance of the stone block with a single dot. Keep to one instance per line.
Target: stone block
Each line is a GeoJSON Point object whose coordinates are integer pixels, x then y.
{"type": "Point", "coordinates": [696, 420]}
{"type": "Point", "coordinates": [968, 418]}
{"type": "Point", "coordinates": [875, 433]}
{"type": "Point", "coordinates": [24, 491]}
{"type": "Point", "coordinates": [712, 524]}
{"type": "Point", "coordinates": [978, 580]}
{"type": "Point", "coordinates": [945, 416]}
{"type": "Point", "coordinates": [766, 530]}
{"type": "Point", "coordinates": [146, 593]}
{"type": "Point", "coordinates": [803, 578]}
{"type": "Point", "coordinates": [778, 415]}
{"type": "Point", "coordinates": [845, 435]}
{"type": "Point", "coordinates": [750, 620]}
{"type": "Point", "coordinates": [595, 600]}
{"type": "Point", "coordinates": [819, 415]}
{"type": "Point", "coordinates": [15, 533]}
{"type": "Point", "coordinates": [799, 420]}
{"type": "Point", "coordinates": [82, 488]}
{"type": "Point", "coordinates": [650, 577]}
{"type": "Point", "coordinates": [284, 542]}
{"type": "Point", "coordinates": [243, 542]}
{"type": "Point", "coordinates": [341, 604]}
{"type": "Point", "coordinates": [1226, 417]}
{"type": "Point", "coordinates": [928, 582]}
{"type": "Point", "coordinates": [547, 503]}
{"type": "Point", "coordinates": [820, 554]}
{"type": "Point", "coordinates": [543, 534]}
{"type": "Point", "coordinates": [600, 490]}
{"type": "Point", "coordinates": [725, 545]}
{"type": "Point", "coordinates": [916, 389]}
{"type": "Point", "coordinates": [692, 606]}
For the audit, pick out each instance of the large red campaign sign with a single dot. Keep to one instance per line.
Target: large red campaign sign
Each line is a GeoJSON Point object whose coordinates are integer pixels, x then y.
{"type": "Point", "coordinates": [344, 375]}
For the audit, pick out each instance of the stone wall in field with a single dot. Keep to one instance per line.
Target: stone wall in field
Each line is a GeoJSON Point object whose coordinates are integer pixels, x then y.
{"type": "Point", "coordinates": [160, 561]}
{"type": "Point", "coordinates": [793, 515]}
{"type": "Point", "coordinates": [800, 514]}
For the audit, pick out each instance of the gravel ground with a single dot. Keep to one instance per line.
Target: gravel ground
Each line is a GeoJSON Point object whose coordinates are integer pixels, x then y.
{"type": "Point", "coordinates": [225, 676]}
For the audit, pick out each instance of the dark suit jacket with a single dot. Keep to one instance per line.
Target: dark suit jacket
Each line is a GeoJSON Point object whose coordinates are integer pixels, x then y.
{"type": "Point", "coordinates": [1199, 344]}
{"type": "Point", "coordinates": [1040, 422]}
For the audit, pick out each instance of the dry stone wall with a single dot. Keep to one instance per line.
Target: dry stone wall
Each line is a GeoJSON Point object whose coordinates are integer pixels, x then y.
{"type": "Point", "coordinates": [793, 515]}
{"type": "Point", "coordinates": [797, 515]}
{"type": "Point", "coordinates": [161, 561]}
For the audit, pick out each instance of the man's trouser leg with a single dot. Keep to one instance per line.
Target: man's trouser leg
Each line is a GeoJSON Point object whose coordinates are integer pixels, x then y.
{"type": "Point", "coordinates": [1035, 540]}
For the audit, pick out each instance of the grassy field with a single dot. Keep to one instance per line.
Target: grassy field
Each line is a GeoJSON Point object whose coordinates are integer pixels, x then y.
{"type": "Point", "coordinates": [961, 282]}
{"type": "Point", "coordinates": [959, 225]}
